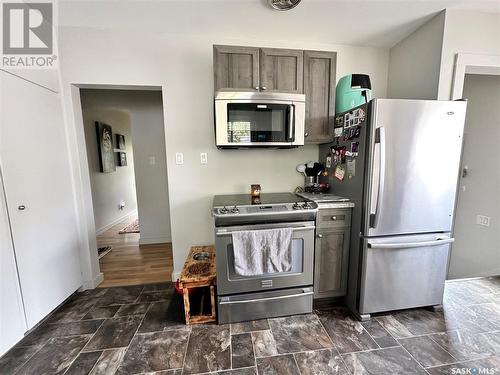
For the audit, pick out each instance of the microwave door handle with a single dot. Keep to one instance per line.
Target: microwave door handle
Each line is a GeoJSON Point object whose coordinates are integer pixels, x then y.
{"type": "Point", "coordinates": [291, 122]}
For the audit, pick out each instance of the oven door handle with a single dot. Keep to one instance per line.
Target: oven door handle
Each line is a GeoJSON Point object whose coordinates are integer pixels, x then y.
{"type": "Point", "coordinates": [224, 233]}
{"type": "Point", "coordinates": [265, 299]}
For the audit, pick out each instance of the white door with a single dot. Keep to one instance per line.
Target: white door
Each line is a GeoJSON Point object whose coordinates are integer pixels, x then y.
{"type": "Point", "coordinates": [39, 194]}
{"type": "Point", "coordinates": [476, 251]}
{"type": "Point", "coordinates": [12, 321]}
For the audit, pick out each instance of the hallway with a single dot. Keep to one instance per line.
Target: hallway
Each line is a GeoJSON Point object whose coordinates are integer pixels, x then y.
{"type": "Point", "coordinates": [131, 264]}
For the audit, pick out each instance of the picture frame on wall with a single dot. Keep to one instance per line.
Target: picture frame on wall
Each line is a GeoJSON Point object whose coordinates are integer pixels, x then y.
{"type": "Point", "coordinates": [120, 141]}
{"type": "Point", "coordinates": [122, 159]}
{"type": "Point", "coordinates": [105, 147]}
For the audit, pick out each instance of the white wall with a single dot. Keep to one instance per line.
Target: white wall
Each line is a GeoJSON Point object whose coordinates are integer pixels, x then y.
{"type": "Point", "coordinates": [108, 189]}
{"type": "Point", "coordinates": [476, 251]}
{"type": "Point", "coordinates": [139, 116]}
{"type": "Point", "coordinates": [182, 64]}
{"type": "Point", "coordinates": [414, 62]}
{"type": "Point", "coordinates": [466, 32]}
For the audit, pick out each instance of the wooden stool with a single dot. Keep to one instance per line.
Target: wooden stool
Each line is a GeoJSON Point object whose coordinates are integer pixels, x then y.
{"type": "Point", "coordinates": [199, 271]}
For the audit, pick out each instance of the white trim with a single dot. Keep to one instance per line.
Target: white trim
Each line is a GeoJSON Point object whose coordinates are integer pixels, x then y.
{"type": "Point", "coordinates": [154, 240]}
{"type": "Point", "coordinates": [129, 215]}
{"type": "Point", "coordinates": [175, 276]}
{"type": "Point", "coordinates": [94, 283]}
{"type": "Point", "coordinates": [472, 64]}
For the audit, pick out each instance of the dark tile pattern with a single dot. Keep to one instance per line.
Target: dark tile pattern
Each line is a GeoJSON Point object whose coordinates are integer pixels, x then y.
{"type": "Point", "coordinates": [109, 331]}
{"type": "Point", "coordinates": [279, 365]}
{"type": "Point", "coordinates": [55, 357]}
{"type": "Point", "coordinates": [101, 312]}
{"type": "Point", "coordinates": [134, 309]}
{"type": "Point", "coordinates": [164, 315]}
{"type": "Point", "coordinates": [394, 361]}
{"type": "Point", "coordinates": [326, 361]}
{"type": "Point", "coordinates": [254, 325]}
{"type": "Point", "coordinates": [242, 350]}
{"type": "Point", "coordinates": [15, 358]}
{"type": "Point", "coordinates": [84, 363]}
{"type": "Point", "coordinates": [155, 351]}
{"type": "Point", "coordinates": [347, 334]}
{"type": "Point", "coordinates": [114, 333]}
{"type": "Point", "coordinates": [426, 351]}
{"type": "Point", "coordinates": [208, 349]}
{"type": "Point", "coordinates": [299, 333]}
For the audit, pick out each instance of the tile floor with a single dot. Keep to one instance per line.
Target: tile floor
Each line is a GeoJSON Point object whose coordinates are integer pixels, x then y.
{"type": "Point", "coordinates": [139, 330]}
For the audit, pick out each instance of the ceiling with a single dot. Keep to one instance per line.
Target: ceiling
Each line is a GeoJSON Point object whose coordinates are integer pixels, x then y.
{"type": "Point", "coordinates": [374, 23]}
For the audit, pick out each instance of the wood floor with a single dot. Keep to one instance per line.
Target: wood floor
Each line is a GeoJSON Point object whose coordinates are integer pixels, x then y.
{"type": "Point", "coordinates": [131, 264]}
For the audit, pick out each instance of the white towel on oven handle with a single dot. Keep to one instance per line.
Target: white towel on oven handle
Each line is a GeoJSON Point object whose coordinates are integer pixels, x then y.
{"type": "Point", "coordinates": [257, 252]}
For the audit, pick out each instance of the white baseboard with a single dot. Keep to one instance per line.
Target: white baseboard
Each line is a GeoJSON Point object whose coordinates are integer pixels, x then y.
{"type": "Point", "coordinates": [103, 229]}
{"type": "Point", "coordinates": [154, 239]}
{"type": "Point", "coordinates": [175, 276]}
{"type": "Point", "coordinates": [92, 284]}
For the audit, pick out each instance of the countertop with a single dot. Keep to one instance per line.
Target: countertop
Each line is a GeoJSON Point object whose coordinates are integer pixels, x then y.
{"type": "Point", "coordinates": [326, 200]}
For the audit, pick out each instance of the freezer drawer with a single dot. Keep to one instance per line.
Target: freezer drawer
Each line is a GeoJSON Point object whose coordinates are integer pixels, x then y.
{"type": "Point", "coordinates": [239, 308]}
{"type": "Point", "coordinates": [403, 272]}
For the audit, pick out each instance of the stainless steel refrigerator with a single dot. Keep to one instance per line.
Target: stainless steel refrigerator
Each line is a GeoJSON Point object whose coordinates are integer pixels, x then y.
{"type": "Point", "coordinates": [398, 161]}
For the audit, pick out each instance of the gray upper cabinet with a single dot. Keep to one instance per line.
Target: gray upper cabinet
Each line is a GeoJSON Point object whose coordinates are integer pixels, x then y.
{"type": "Point", "coordinates": [319, 87]}
{"type": "Point", "coordinates": [236, 68]}
{"type": "Point", "coordinates": [281, 70]}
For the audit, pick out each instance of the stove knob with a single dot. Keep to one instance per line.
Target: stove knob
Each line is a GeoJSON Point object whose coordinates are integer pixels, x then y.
{"type": "Point", "coordinates": [235, 210]}
{"type": "Point", "coordinates": [296, 206]}
{"type": "Point", "coordinates": [223, 210]}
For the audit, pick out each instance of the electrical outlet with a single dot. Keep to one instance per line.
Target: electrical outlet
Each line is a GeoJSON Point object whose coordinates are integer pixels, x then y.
{"type": "Point", "coordinates": [179, 158]}
{"type": "Point", "coordinates": [483, 220]}
{"type": "Point", "coordinates": [152, 160]}
{"type": "Point", "coordinates": [203, 158]}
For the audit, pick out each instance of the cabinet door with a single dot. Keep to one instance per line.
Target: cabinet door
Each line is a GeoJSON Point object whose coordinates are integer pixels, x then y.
{"type": "Point", "coordinates": [39, 194]}
{"type": "Point", "coordinates": [331, 253]}
{"type": "Point", "coordinates": [319, 87]}
{"type": "Point", "coordinates": [12, 321]}
{"type": "Point", "coordinates": [281, 70]}
{"type": "Point", "coordinates": [236, 68]}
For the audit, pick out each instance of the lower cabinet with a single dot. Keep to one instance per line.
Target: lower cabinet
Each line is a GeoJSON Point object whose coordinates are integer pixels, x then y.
{"type": "Point", "coordinates": [331, 257]}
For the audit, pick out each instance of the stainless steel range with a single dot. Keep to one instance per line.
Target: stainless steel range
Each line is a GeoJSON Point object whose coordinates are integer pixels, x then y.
{"type": "Point", "coordinates": [268, 294]}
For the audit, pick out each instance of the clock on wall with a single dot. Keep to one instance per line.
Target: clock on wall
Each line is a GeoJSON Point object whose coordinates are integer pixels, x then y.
{"type": "Point", "coordinates": [283, 4]}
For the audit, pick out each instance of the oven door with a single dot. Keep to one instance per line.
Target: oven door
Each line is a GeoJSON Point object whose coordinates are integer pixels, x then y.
{"type": "Point", "coordinates": [301, 274]}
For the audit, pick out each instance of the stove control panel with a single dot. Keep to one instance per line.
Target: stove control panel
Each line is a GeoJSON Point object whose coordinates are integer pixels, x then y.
{"type": "Point", "coordinates": [264, 209]}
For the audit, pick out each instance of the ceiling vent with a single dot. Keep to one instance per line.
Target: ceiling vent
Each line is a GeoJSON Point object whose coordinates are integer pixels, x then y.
{"type": "Point", "coordinates": [283, 4]}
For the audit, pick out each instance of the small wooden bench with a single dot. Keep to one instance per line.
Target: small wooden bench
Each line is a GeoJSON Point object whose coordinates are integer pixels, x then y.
{"type": "Point", "coordinates": [199, 271]}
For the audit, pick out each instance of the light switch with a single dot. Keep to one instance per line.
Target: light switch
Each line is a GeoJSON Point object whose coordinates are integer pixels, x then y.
{"type": "Point", "coordinates": [203, 158]}
{"type": "Point", "coordinates": [483, 220]}
{"type": "Point", "coordinates": [152, 160]}
{"type": "Point", "coordinates": [179, 158]}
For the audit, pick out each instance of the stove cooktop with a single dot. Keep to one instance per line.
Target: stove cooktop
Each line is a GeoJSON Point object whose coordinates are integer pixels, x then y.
{"type": "Point", "coordinates": [270, 207]}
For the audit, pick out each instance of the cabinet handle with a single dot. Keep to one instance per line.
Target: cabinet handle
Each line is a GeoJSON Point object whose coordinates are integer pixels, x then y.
{"type": "Point", "coordinates": [263, 88]}
{"type": "Point", "coordinates": [257, 88]}
{"type": "Point", "coordinates": [320, 235]}
{"type": "Point", "coordinates": [334, 218]}
{"type": "Point", "coordinates": [21, 207]}
{"type": "Point", "coordinates": [306, 134]}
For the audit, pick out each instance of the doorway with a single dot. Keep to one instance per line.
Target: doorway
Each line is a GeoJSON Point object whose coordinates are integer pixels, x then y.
{"type": "Point", "coordinates": [125, 144]}
{"type": "Point", "coordinates": [476, 251]}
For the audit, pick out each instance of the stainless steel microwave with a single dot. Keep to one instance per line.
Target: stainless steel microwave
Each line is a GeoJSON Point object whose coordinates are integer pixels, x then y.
{"type": "Point", "coordinates": [253, 119]}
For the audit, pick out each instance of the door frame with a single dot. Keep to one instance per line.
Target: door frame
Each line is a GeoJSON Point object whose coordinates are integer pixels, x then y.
{"type": "Point", "coordinates": [467, 63]}
{"type": "Point", "coordinates": [91, 273]}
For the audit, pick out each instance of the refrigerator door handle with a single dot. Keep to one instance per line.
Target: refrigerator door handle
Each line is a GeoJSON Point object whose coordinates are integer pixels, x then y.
{"type": "Point", "coordinates": [380, 139]}
{"type": "Point", "coordinates": [407, 245]}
